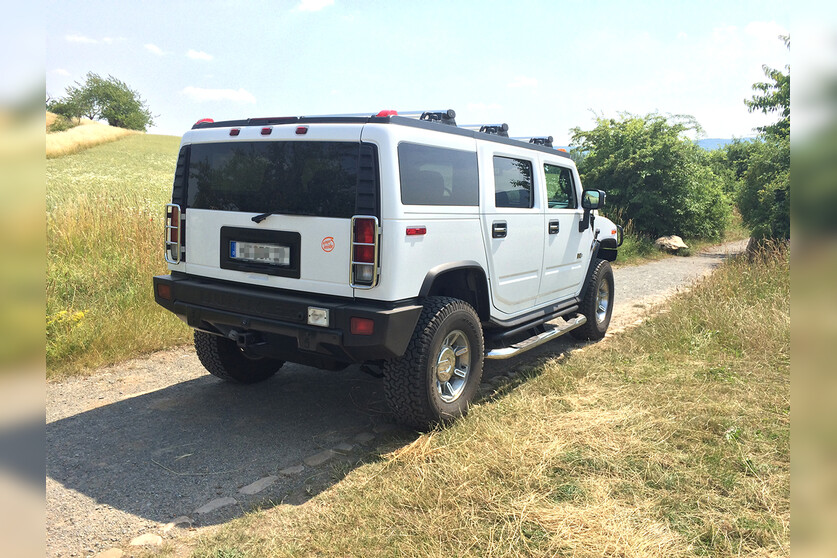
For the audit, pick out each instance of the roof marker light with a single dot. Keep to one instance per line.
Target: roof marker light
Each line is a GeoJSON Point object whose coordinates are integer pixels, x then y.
{"type": "Point", "coordinates": [387, 112]}
{"type": "Point", "coordinates": [204, 121]}
{"type": "Point", "coordinates": [266, 130]}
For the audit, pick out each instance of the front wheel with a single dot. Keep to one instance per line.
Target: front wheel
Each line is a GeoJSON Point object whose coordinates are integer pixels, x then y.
{"type": "Point", "coordinates": [223, 359]}
{"type": "Point", "coordinates": [597, 305]}
{"type": "Point", "coordinates": [438, 376]}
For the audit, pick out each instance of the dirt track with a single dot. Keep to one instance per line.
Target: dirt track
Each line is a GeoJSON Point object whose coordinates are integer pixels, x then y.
{"type": "Point", "coordinates": [136, 445]}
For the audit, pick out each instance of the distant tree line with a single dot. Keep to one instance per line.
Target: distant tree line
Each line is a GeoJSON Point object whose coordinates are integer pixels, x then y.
{"type": "Point", "coordinates": [107, 99]}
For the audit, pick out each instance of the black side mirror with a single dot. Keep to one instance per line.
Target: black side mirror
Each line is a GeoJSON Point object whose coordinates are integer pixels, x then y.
{"type": "Point", "coordinates": [592, 199]}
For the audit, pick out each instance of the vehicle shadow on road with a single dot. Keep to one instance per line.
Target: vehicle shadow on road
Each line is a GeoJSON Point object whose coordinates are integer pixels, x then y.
{"type": "Point", "coordinates": [169, 452]}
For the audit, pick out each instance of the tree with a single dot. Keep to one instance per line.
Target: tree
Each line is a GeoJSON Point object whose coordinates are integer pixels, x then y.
{"type": "Point", "coordinates": [774, 97]}
{"type": "Point", "coordinates": [109, 99]}
{"type": "Point", "coordinates": [653, 175]}
{"type": "Point", "coordinates": [764, 192]}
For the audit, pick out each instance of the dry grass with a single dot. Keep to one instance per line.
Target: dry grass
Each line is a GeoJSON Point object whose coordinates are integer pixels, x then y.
{"type": "Point", "coordinates": [670, 440]}
{"type": "Point", "coordinates": [104, 244]}
{"type": "Point", "coordinates": [87, 134]}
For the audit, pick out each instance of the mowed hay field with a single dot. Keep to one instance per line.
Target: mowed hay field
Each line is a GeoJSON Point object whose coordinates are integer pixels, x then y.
{"type": "Point", "coordinates": [672, 439]}
{"type": "Point", "coordinates": [87, 134]}
{"type": "Point", "coordinates": [104, 244]}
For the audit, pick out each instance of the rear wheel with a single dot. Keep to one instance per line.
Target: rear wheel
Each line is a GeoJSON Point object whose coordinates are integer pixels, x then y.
{"type": "Point", "coordinates": [597, 305]}
{"type": "Point", "coordinates": [440, 372]}
{"type": "Point", "coordinates": [223, 359]}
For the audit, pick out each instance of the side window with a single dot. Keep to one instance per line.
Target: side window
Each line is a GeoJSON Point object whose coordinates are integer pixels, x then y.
{"type": "Point", "coordinates": [559, 187]}
{"type": "Point", "coordinates": [437, 175]}
{"type": "Point", "coordinates": [513, 185]}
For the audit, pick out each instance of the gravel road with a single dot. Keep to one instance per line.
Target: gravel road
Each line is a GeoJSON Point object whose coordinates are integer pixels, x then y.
{"type": "Point", "coordinates": [139, 446]}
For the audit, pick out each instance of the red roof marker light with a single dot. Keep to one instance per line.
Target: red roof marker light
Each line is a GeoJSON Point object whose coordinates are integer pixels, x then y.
{"type": "Point", "coordinates": [204, 121]}
{"type": "Point", "coordinates": [387, 112]}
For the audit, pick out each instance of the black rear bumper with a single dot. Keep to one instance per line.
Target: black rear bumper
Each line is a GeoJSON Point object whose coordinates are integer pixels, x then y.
{"type": "Point", "coordinates": [280, 318]}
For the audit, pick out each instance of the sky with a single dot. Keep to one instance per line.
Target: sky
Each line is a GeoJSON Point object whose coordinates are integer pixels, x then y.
{"type": "Point", "coordinates": [543, 67]}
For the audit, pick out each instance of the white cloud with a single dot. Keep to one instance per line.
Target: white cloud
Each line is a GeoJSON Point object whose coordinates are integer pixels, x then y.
{"type": "Point", "coordinates": [313, 5]}
{"type": "Point", "coordinates": [80, 39]}
{"type": "Point", "coordinates": [523, 81]}
{"type": "Point", "coordinates": [198, 55]}
{"type": "Point", "coordinates": [154, 49]}
{"type": "Point", "coordinates": [61, 72]}
{"type": "Point", "coordinates": [765, 30]}
{"type": "Point", "coordinates": [200, 95]}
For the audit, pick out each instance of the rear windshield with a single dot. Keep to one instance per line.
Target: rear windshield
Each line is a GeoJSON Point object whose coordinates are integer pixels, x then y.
{"type": "Point", "coordinates": [297, 178]}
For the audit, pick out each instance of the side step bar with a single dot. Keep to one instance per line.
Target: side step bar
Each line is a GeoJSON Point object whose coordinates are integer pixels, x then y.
{"type": "Point", "coordinates": [536, 341]}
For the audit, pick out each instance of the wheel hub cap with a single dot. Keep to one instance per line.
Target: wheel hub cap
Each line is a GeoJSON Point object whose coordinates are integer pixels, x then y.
{"type": "Point", "coordinates": [453, 364]}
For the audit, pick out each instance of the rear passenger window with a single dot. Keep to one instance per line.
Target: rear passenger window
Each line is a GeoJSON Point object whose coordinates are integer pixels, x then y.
{"type": "Point", "coordinates": [437, 175]}
{"type": "Point", "coordinates": [559, 187]}
{"type": "Point", "coordinates": [513, 186]}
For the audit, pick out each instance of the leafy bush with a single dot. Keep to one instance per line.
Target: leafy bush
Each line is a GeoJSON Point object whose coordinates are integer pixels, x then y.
{"type": "Point", "coordinates": [62, 124]}
{"type": "Point", "coordinates": [653, 175]}
{"type": "Point", "coordinates": [764, 194]}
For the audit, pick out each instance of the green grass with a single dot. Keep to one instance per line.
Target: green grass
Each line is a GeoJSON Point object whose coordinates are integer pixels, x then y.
{"type": "Point", "coordinates": [672, 439]}
{"type": "Point", "coordinates": [104, 244]}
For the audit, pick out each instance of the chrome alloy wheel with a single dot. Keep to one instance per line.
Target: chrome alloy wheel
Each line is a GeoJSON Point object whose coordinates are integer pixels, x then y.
{"type": "Point", "coordinates": [602, 302]}
{"type": "Point", "coordinates": [452, 366]}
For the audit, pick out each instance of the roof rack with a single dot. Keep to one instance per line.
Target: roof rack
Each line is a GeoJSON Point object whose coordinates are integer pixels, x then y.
{"type": "Point", "coordinates": [542, 140]}
{"type": "Point", "coordinates": [496, 129]}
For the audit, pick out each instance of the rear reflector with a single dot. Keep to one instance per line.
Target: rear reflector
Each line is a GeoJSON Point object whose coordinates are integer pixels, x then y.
{"type": "Point", "coordinates": [235, 131]}
{"type": "Point", "coordinates": [164, 291]}
{"type": "Point", "coordinates": [416, 231]}
{"type": "Point", "coordinates": [362, 326]}
{"type": "Point", "coordinates": [301, 130]}
{"type": "Point", "coordinates": [266, 131]}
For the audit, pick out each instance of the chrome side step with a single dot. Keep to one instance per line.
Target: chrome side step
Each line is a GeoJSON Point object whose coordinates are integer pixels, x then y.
{"type": "Point", "coordinates": [536, 341]}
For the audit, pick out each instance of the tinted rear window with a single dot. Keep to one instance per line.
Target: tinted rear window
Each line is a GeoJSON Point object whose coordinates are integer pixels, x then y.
{"type": "Point", "coordinates": [297, 178]}
{"type": "Point", "coordinates": [437, 176]}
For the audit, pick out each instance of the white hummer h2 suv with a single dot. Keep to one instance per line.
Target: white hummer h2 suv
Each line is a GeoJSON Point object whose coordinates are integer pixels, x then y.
{"type": "Point", "coordinates": [414, 246]}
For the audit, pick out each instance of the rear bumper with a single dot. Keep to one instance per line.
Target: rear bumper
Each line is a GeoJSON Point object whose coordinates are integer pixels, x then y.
{"type": "Point", "coordinates": [282, 318]}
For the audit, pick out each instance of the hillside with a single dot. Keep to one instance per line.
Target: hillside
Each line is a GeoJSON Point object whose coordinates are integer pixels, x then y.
{"type": "Point", "coordinates": [83, 136]}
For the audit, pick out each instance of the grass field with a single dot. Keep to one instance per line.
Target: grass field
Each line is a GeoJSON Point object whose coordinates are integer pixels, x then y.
{"type": "Point", "coordinates": [104, 243]}
{"type": "Point", "coordinates": [672, 439]}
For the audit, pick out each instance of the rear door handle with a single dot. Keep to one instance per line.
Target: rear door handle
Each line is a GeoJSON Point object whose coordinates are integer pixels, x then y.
{"type": "Point", "coordinates": [499, 229]}
{"type": "Point", "coordinates": [554, 226]}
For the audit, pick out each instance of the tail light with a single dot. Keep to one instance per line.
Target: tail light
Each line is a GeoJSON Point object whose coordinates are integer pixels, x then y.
{"type": "Point", "coordinates": [364, 252]}
{"type": "Point", "coordinates": [174, 234]}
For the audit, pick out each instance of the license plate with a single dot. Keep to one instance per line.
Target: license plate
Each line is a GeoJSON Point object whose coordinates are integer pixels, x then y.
{"type": "Point", "coordinates": [273, 254]}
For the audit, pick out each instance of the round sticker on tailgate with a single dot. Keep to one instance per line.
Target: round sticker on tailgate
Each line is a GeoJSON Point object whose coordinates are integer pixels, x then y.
{"type": "Point", "coordinates": [328, 244]}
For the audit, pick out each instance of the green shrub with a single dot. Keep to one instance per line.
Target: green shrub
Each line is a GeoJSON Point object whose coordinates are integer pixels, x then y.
{"type": "Point", "coordinates": [653, 175]}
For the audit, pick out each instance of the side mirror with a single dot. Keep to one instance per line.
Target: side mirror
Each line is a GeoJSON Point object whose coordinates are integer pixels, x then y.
{"type": "Point", "coordinates": [592, 199]}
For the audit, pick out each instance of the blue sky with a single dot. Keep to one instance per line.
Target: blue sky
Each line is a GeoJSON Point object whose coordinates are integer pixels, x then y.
{"type": "Point", "coordinates": [541, 66]}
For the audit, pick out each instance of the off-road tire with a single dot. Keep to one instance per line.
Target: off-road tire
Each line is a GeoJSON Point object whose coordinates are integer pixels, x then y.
{"type": "Point", "coordinates": [223, 359]}
{"type": "Point", "coordinates": [410, 382]}
{"type": "Point", "coordinates": [595, 329]}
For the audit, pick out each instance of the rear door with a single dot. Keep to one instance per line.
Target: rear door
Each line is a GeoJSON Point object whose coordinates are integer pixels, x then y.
{"type": "Point", "coordinates": [513, 227]}
{"type": "Point", "coordinates": [308, 184]}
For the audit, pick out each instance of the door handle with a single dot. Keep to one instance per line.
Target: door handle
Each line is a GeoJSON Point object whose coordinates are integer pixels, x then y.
{"type": "Point", "coordinates": [499, 229]}
{"type": "Point", "coordinates": [554, 226]}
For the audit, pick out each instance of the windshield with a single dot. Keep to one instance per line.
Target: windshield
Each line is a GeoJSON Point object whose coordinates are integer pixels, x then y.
{"type": "Point", "coordinates": [291, 177]}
